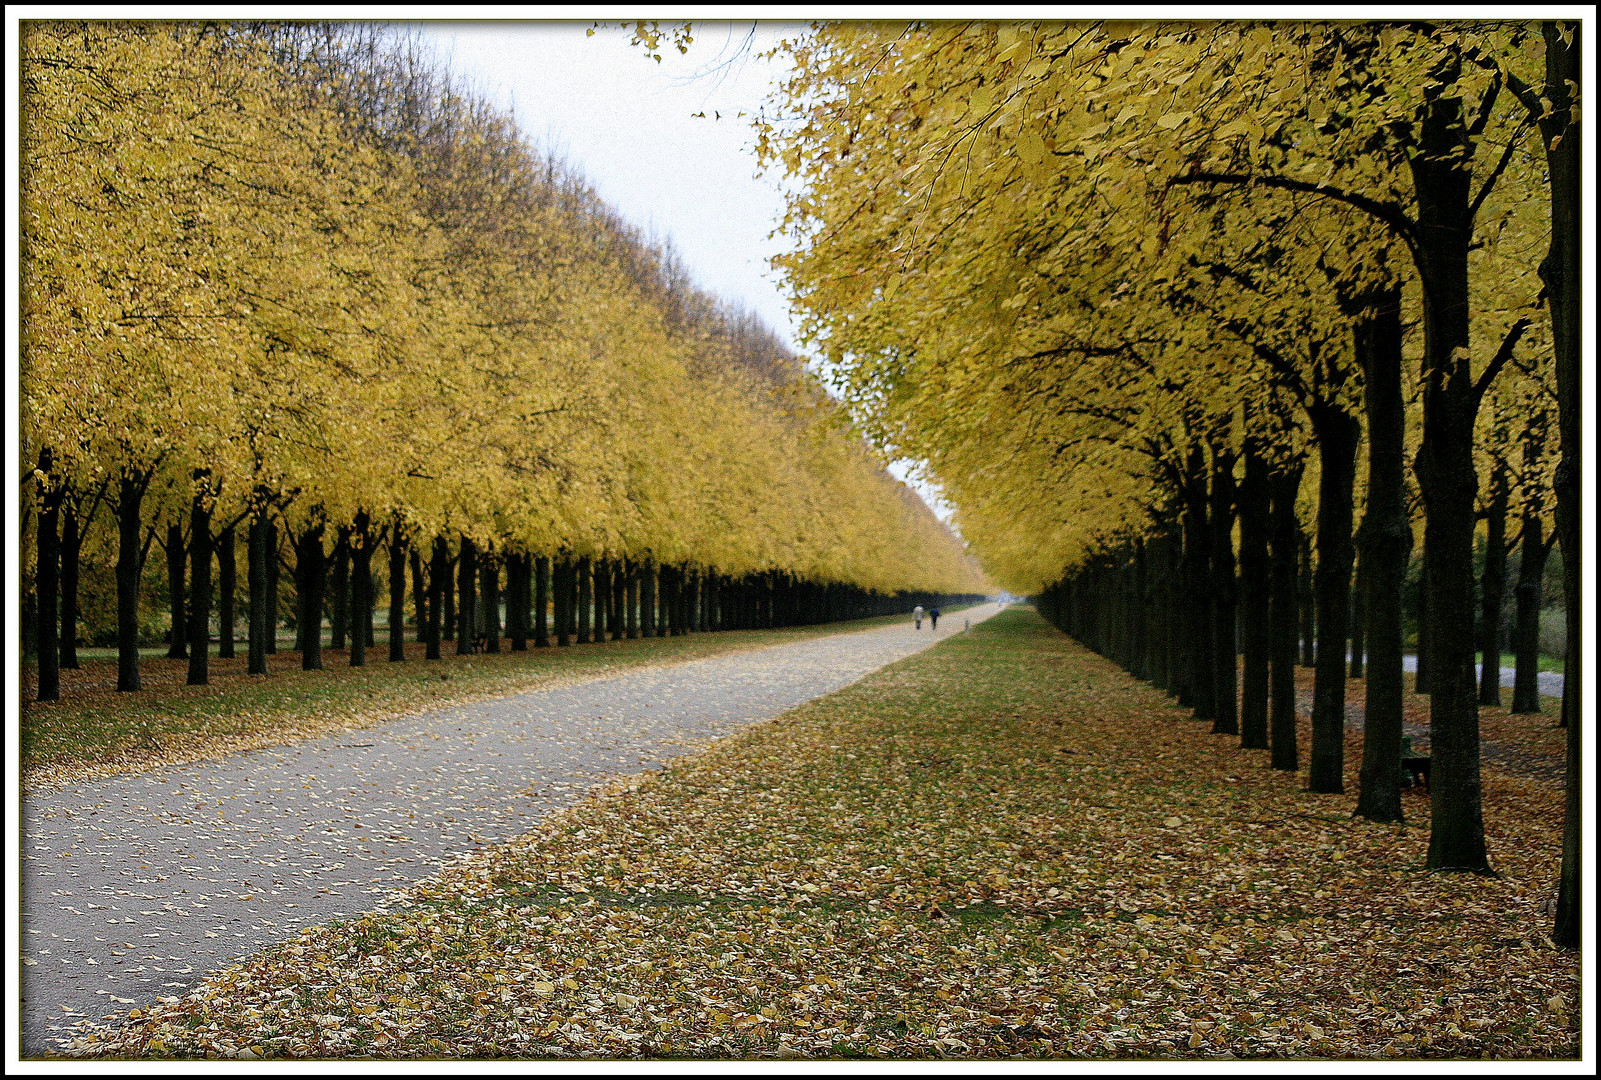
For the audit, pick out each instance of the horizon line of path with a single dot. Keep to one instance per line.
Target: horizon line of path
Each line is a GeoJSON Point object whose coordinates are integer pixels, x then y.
{"type": "Point", "coordinates": [138, 886]}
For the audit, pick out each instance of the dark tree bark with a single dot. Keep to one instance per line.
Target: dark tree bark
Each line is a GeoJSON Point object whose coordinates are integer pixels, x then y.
{"type": "Point", "coordinates": [1420, 681]}
{"type": "Point", "coordinates": [490, 602]}
{"type": "Point", "coordinates": [256, 556]}
{"type": "Point", "coordinates": [1492, 587]}
{"type": "Point", "coordinates": [419, 593]}
{"type": "Point", "coordinates": [541, 601]}
{"type": "Point", "coordinates": [1526, 647]}
{"type": "Point", "coordinates": [270, 534]}
{"type": "Point", "coordinates": [517, 600]}
{"type": "Point", "coordinates": [1255, 589]}
{"type": "Point", "coordinates": [47, 582]}
{"type": "Point", "coordinates": [1306, 602]}
{"type": "Point", "coordinates": [438, 588]}
{"type": "Point", "coordinates": [1195, 687]}
{"type": "Point", "coordinates": [447, 598]}
{"type": "Point", "coordinates": [466, 601]}
{"type": "Point", "coordinates": [1446, 475]}
{"type": "Point", "coordinates": [1387, 548]}
{"type": "Point", "coordinates": [585, 599]}
{"type": "Point", "coordinates": [178, 638]}
{"type": "Point", "coordinates": [310, 577]}
{"type": "Point", "coordinates": [71, 549]}
{"type": "Point", "coordinates": [564, 584]}
{"type": "Point", "coordinates": [130, 496]}
{"type": "Point", "coordinates": [1225, 718]}
{"type": "Point", "coordinates": [1560, 271]}
{"type": "Point", "coordinates": [602, 572]}
{"type": "Point", "coordinates": [1285, 555]}
{"type": "Point", "coordinates": [1359, 611]}
{"type": "Point", "coordinates": [397, 593]}
{"type": "Point", "coordinates": [361, 541]}
{"type": "Point", "coordinates": [619, 585]}
{"type": "Point", "coordinates": [339, 591]}
{"type": "Point", "coordinates": [647, 598]}
{"type": "Point", "coordinates": [631, 599]}
{"type": "Point", "coordinates": [1338, 433]}
{"type": "Point", "coordinates": [200, 581]}
{"type": "Point", "coordinates": [227, 581]}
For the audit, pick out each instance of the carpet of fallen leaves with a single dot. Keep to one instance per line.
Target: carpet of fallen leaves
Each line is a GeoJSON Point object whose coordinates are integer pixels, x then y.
{"type": "Point", "coordinates": [1002, 847]}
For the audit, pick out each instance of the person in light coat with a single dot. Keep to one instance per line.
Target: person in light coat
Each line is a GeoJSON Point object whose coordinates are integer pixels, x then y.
{"type": "Point", "coordinates": [917, 617]}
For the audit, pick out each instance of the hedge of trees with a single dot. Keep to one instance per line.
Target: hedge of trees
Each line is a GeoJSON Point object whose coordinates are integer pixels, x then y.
{"type": "Point", "coordinates": [1180, 312]}
{"type": "Point", "coordinates": [295, 304]}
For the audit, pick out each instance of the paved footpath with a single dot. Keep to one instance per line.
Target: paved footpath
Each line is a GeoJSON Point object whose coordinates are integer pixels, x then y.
{"type": "Point", "coordinates": [138, 886]}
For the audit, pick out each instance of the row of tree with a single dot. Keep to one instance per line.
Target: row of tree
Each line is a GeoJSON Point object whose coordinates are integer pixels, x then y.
{"type": "Point", "coordinates": [287, 288]}
{"type": "Point", "coordinates": [1135, 290]}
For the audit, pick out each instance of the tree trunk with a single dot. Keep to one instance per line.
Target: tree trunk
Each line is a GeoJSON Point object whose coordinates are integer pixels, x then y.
{"type": "Point", "coordinates": [419, 594]}
{"type": "Point", "coordinates": [1560, 271]}
{"type": "Point", "coordinates": [1338, 433]}
{"type": "Point", "coordinates": [256, 556]}
{"type": "Point", "coordinates": [438, 588]}
{"type": "Point", "coordinates": [631, 600]}
{"type": "Point", "coordinates": [1387, 548]}
{"type": "Point", "coordinates": [1531, 575]}
{"type": "Point", "coordinates": [71, 549]}
{"type": "Point", "coordinates": [47, 645]}
{"type": "Point", "coordinates": [1195, 670]}
{"type": "Point", "coordinates": [310, 577]}
{"type": "Point", "coordinates": [647, 598]}
{"type": "Point", "coordinates": [489, 602]}
{"type": "Point", "coordinates": [360, 589]}
{"type": "Point", "coordinates": [517, 601]}
{"type": "Point", "coordinates": [619, 586]}
{"type": "Point", "coordinates": [1492, 588]}
{"type": "Point", "coordinates": [178, 638]}
{"type": "Point", "coordinates": [541, 601]}
{"type": "Point", "coordinates": [1420, 681]}
{"type": "Point", "coordinates": [227, 575]}
{"type": "Point", "coordinates": [1285, 555]}
{"type": "Point", "coordinates": [1306, 599]}
{"type": "Point", "coordinates": [1225, 720]}
{"type": "Point", "coordinates": [200, 583]}
{"type": "Point", "coordinates": [397, 594]}
{"type": "Point", "coordinates": [1255, 588]}
{"type": "Point", "coordinates": [1446, 476]}
{"type": "Point", "coordinates": [466, 601]}
{"type": "Point", "coordinates": [447, 598]}
{"type": "Point", "coordinates": [130, 495]}
{"type": "Point", "coordinates": [270, 533]}
{"type": "Point", "coordinates": [585, 599]}
{"type": "Point", "coordinates": [339, 592]}
{"type": "Point", "coordinates": [564, 601]}
{"type": "Point", "coordinates": [1359, 611]}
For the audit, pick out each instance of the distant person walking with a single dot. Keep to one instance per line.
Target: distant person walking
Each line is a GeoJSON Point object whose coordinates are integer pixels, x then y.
{"type": "Point", "coordinates": [933, 618]}
{"type": "Point", "coordinates": [917, 617]}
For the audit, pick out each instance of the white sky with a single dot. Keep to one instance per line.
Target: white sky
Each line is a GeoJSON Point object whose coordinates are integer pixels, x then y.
{"type": "Point", "coordinates": [629, 125]}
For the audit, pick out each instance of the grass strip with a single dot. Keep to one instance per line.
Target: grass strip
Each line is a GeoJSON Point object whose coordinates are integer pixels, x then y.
{"type": "Point", "coordinates": [1000, 847]}
{"type": "Point", "coordinates": [95, 731]}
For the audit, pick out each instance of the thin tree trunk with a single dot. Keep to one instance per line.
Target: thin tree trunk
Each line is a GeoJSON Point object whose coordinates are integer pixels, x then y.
{"type": "Point", "coordinates": [419, 594]}
{"type": "Point", "coordinates": [1492, 587]}
{"type": "Point", "coordinates": [517, 600]}
{"type": "Point", "coordinates": [564, 601]}
{"type": "Point", "coordinates": [310, 576]}
{"type": "Point", "coordinates": [447, 598]}
{"type": "Point", "coordinates": [1531, 575]}
{"type": "Point", "coordinates": [360, 589]}
{"type": "Point", "coordinates": [1306, 598]}
{"type": "Point", "coordinates": [585, 599]}
{"type": "Point", "coordinates": [397, 594]}
{"type": "Point", "coordinates": [438, 587]}
{"type": "Point", "coordinates": [631, 599]}
{"type": "Point", "coordinates": [200, 582]}
{"type": "Point", "coordinates": [270, 534]}
{"type": "Point", "coordinates": [1199, 653]}
{"type": "Point", "coordinates": [1284, 553]}
{"type": "Point", "coordinates": [339, 593]}
{"type": "Point", "coordinates": [466, 601]}
{"type": "Point", "coordinates": [1387, 549]}
{"type": "Point", "coordinates": [227, 581]}
{"type": "Point", "coordinates": [1338, 433]}
{"type": "Point", "coordinates": [1359, 610]}
{"type": "Point", "coordinates": [256, 578]}
{"type": "Point", "coordinates": [1225, 719]}
{"type": "Point", "coordinates": [647, 598]}
{"type": "Point", "coordinates": [130, 496]}
{"type": "Point", "coordinates": [541, 601]}
{"type": "Point", "coordinates": [489, 602]}
{"type": "Point", "coordinates": [47, 583]}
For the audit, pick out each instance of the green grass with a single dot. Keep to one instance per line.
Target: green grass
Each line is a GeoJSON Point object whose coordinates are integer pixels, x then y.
{"type": "Point", "coordinates": [109, 731]}
{"type": "Point", "coordinates": [1547, 663]}
{"type": "Point", "coordinates": [1000, 847]}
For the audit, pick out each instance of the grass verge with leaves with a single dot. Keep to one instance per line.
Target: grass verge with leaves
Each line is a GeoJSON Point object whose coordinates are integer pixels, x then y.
{"type": "Point", "coordinates": [95, 731]}
{"type": "Point", "coordinates": [1000, 847]}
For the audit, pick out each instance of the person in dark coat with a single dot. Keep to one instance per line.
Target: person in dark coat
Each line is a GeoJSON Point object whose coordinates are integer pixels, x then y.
{"type": "Point", "coordinates": [933, 618]}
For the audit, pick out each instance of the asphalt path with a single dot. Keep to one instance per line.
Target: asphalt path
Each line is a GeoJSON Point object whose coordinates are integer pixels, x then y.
{"type": "Point", "coordinates": [136, 887]}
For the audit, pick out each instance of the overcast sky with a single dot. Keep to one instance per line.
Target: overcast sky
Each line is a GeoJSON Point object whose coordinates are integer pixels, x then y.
{"type": "Point", "coordinates": [631, 126]}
